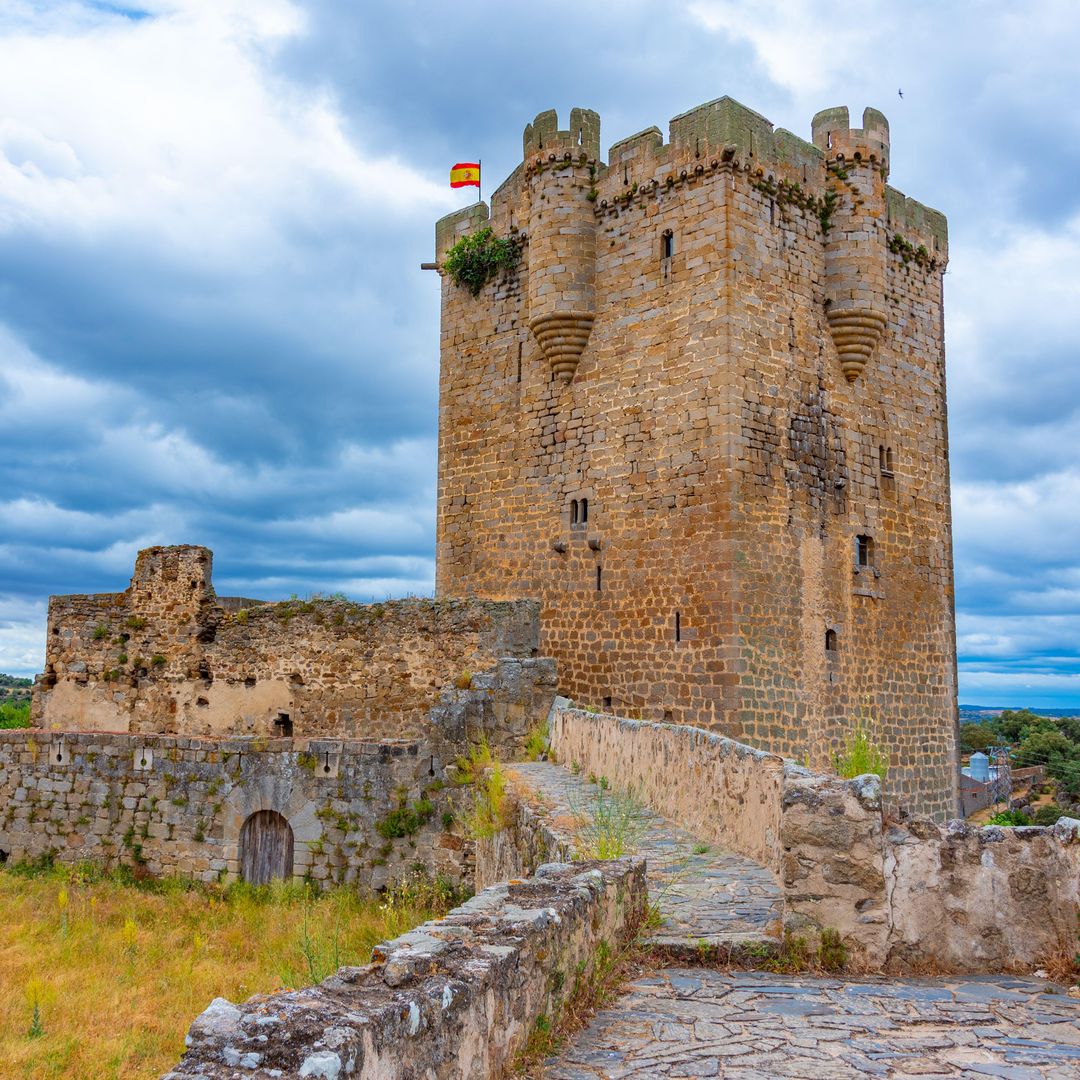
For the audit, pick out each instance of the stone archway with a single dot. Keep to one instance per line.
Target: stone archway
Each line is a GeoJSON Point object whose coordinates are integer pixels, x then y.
{"type": "Point", "coordinates": [266, 848]}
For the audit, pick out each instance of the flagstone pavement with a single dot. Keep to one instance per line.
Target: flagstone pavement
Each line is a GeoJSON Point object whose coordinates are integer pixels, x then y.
{"type": "Point", "coordinates": [687, 1022]}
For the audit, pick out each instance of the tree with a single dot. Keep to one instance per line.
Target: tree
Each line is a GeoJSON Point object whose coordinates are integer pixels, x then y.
{"type": "Point", "coordinates": [976, 737]}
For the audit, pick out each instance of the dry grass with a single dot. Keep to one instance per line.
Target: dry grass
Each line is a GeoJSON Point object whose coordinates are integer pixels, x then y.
{"type": "Point", "coordinates": [117, 972]}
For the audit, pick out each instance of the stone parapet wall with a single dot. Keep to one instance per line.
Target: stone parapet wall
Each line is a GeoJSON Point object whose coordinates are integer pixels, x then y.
{"type": "Point", "coordinates": [177, 805]}
{"type": "Point", "coordinates": [457, 997]}
{"type": "Point", "coordinates": [716, 788]}
{"type": "Point", "coordinates": [903, 892]}
{"type": "Point", "coordinates": [168, 656]}
{"type": "Point", "coordinates": [527, 840]}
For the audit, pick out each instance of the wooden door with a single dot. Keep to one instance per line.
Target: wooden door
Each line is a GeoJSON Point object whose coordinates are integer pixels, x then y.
{"type": "Point", "coordinates": [266, 848]}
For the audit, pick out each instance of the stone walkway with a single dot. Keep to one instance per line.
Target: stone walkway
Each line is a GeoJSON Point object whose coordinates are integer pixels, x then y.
{"type": "Point", "coordinates": [757, 1026]}
{"type": "Point", "coordinates": [706, 896]}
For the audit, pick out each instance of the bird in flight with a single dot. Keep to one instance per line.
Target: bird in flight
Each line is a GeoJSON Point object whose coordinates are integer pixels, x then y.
{"type": "Point", "coordinates": [900, 92]}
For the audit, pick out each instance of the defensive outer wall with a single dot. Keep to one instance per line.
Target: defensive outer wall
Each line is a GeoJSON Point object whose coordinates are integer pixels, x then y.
{"type": "Point", "coordinates": [704, 421]}
{"type": "Point", "coordinates": [173, 726]}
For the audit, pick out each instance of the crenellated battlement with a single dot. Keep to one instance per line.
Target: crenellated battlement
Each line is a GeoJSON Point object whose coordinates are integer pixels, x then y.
{"type": "Point", "coordinates": [834, 135]}
{"type": "Point", "coordinates": [543, 136]}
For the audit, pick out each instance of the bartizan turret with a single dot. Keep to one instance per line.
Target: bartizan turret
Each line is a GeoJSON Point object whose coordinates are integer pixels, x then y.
{"type": "Point", "coordinates": [560, 177]}
{"type": "Point", "coordinates": [857, 163]}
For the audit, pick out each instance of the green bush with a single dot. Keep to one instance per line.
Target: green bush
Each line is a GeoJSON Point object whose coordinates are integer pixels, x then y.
{"type": "Point", "coordinates": [406, 820]}
{"type": "Point", "coordinates": [862, 754]}
{"type": "Point", "coordinates": [14, 714]}
{"type": "Point", "coordinates": [1010, 818]}
{"type": "Point", "coordinates": [1048, 814]}
{"type": "Point", "coordinates": [474, 260]}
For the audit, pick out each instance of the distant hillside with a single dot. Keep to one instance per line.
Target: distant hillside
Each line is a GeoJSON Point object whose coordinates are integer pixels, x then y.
{"type": "Point", "coordinates": [14, 689]}
{"type": "Point", "coordinates": [976, 712]}
{"type": "Point", "coordinates": [14, 702]}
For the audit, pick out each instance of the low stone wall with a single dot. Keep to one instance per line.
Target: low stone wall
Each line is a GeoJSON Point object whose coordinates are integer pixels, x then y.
{"type": "Point", "coordinates": [456, 997]}
{"type": "Point", "coordinates": [988, 899]}
{"type": "Point", "coordinates": [527, 841]}
{"type": "Point", "coordinates": [168, 655]}
{"type": "Point", "coordinates": [178, 806]}
{"type": "Point", "coordinates": [903, 894]}
{"type": "Point", "coordinates": [716, 788]}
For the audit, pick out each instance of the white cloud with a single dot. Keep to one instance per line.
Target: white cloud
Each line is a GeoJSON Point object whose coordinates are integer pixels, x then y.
{"type": "Point", "coordinates": [172, 125]}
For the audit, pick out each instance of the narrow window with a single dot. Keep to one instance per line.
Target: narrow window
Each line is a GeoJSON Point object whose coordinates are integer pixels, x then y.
{"type": "Point", "coordinates": [573, 512]}
{"type": "Point", "coordinates": [607, 702]}
{"type": "Point", "coordinates": [283, 726]}
{"type": "Point", "coordinates": [678, 626]}
{"type": "Point", "coordinates": [864, 551]}
{"type": "Point", "coordinates": [519, 363]}
{"type": "Point", "coordinates": [667, 244]}
{"type": "Point", "coordinates": [584, 511]}
{"type": "Point", "coordinates": [885, 460]}
{"type": "Point", "coordinates": [669, 716]}
{"type": "Point", "coordinates": [830, 641]}
{"type": "Point", "coordinates": [599, 576]}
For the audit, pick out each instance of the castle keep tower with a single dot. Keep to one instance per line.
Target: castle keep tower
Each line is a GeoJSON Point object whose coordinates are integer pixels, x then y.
{"type": "Point", "coordinates": [703, 420]}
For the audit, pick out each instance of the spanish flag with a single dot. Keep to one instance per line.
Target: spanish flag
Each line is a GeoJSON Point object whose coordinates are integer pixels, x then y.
{"type": "Point", "coordinates": [465, 174]}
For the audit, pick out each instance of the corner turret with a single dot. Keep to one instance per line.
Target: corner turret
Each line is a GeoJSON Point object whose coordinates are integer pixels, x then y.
{"type": "Point", "coordinates": [857, 164]}
{"type": "Point", "coordinates": [560, 170]}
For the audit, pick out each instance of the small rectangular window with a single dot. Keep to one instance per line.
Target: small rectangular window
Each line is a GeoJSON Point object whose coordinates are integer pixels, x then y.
{"type": "Point", "coordinates": [599, 578]}
{"type": "Point", "coordinates": [864, 551]}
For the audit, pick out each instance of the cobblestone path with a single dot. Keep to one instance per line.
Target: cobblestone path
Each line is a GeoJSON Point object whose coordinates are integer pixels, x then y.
{"type": "Point", "coordinates": [705, 895]}
{"type": "Point", "coordinates": [757, 1026]}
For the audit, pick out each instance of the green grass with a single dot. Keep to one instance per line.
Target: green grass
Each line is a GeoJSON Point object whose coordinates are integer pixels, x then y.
{"type": "Point", "coordinates": [610, 827]}
{"type": "Point", "coordinates": [101, 976]}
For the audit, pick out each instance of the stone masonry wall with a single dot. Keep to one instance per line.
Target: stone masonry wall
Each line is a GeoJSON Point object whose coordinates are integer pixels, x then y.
{"type": "Point", "coordinates": [457, 997]}
{"type": "Point", "coordinates": [177, 805]}
{"type": "Point", "coordinates": [904, 892]}
{"type": "Point", "coordinates": [717, 789]}
{"type": "Point", "coordinates": [759, 381]}
{"type": "Point", "coordinates": [167, 655]}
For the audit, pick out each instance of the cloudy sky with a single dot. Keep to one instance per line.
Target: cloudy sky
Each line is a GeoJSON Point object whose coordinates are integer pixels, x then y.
{"type": "Point", "coordinates": [213, 328]}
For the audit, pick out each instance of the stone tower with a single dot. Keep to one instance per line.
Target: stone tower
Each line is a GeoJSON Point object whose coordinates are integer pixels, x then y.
{"type": "Point", "coordinates": [703, 421]}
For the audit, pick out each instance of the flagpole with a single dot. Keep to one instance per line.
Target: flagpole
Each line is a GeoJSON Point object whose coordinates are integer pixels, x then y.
{"type": "Point", "coordinates": [480, 177]}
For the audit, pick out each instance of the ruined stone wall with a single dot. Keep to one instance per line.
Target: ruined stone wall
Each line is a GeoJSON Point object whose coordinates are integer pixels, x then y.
{"type": "Point", "coordinates": [167, 655]}
{"type": "Point", "coordinates": [741, 409]}
{"type": "Point", "coordinates": [178, 805]}
{"type": "Point", "coordinates": [457, 996]}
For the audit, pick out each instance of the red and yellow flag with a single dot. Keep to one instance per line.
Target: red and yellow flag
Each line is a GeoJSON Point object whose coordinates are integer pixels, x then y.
{"type": "Point", "coordinates": [465, 174]}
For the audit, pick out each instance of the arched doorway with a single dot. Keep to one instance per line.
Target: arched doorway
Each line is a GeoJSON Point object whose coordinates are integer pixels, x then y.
{"type": "Point", "coordinates": [266, 848]}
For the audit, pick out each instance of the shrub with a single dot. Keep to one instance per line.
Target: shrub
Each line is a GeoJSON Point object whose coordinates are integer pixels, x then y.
{"type": "Point", "coordinates": [536, 744]}
{"type": "Point", "coordinates": [101, 632]}
{"type": "Point", "coordinates": [157, 660]}
{"type": "Point", "coordinates": [14, 714]}
{"type": "Point", "coordinates": [1010, 818]}
{"type": "Point", "coordinates": [1049, 814]}
{"type": "Point", "coordinates": [405, 820]}
{"type": "Point", "coordinates": [610, 827]}
{"type": "Point", "coordinates": [468, 768]}
{"type": "Point", "coordinates": [135, 622]}
{"type": "Point", "coordinates": [464, 680]}
{"type": "Point", "coordinates": [862, 754]}
{"type": "Point", "coordinates": [491, 808]}
{"type": "Point", "coordinates": [476, 259]}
